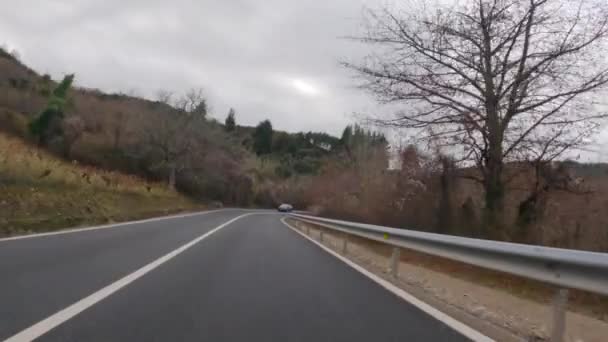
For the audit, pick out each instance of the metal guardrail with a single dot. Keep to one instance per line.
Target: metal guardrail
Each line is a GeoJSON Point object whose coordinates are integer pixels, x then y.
{"type": "Point", "coordinates": [562, 267]}
{"type": "Point", "coordinates": [567, 269]}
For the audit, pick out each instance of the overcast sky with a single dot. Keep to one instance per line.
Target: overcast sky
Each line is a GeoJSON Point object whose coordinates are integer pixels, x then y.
{"type": "Point", "coordinates": [275, 59]}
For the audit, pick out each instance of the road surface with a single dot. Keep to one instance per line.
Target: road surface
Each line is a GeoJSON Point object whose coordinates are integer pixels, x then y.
{"type": "Point", "coordinates": [182, 279]}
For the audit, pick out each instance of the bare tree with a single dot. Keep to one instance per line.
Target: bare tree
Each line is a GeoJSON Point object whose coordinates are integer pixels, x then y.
{"type": "Point", "coordinates": [164, 96]}
{"type": "Point", "coordinates": [193, 102]}
{"type": "Point", "coordinates": [73, 127]}
{"type": "Point", "coordinates": [117, 128]}
{"type": "Point", "coordinates": [173, 136]}
{"type": "Point", "coordinates": [499, 80]}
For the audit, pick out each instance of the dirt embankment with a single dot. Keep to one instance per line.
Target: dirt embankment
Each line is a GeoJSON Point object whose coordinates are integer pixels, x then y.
{"type": "Point", "coordinates": [39, 192]}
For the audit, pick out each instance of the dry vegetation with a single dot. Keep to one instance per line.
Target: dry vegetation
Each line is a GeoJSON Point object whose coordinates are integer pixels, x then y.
{"type": "Point", "coordinates": [429, 193]}
{"type": "Point", "coordinates": [169, 140]}
{"type": "Point", "coordinates": [41, 192]}
{"type": "Point", "coordinates": [173, 141]}
{"type": "Point", "coordinates": [570, 217]}
{"type": "Point", "coordinates": [84, 138]}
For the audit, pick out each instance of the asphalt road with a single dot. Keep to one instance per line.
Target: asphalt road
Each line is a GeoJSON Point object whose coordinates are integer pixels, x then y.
{"type": "Point", "coordinates": [252, 280]}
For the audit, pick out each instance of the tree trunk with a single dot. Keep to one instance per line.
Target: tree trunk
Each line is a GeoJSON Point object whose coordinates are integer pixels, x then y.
{"type": "Point", "coordinates": [493, 185]}
{"type": "Point", "coordinates": [117, 134]}
{"type": "Point", "coordinates": [494, 196]}
{"type": "Point", "coordinates": [43, 139]}
{"type": "Point", "coordinates": [172, 172]}
{"type": "Point", "coordinates": [444, 222]}
{"type": "Point", "coordinates": [67, 149]}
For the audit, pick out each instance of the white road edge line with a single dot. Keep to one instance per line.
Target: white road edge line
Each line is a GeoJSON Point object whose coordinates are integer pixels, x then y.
{"type": "Point", "coordinates": [438, 315]}
{"type": "Point", "coordinates": [105, 226]}
{"type": "Point", "coordinates": [69, 312]}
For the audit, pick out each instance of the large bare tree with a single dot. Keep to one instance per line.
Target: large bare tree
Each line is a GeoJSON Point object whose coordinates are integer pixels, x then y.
{"type": "Point", "coordinates": [499, 80]}
{"type": "Point", "coordinates": [175, 135]}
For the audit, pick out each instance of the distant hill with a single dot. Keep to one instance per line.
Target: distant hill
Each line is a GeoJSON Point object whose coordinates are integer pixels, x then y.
{"type": "Point", "coordinates": [587, 170]}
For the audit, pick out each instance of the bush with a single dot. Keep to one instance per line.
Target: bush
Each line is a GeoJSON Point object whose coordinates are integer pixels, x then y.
{"type": "Point", "coordinates": [306, 166]}
{"type": "Point", "coordinates": [13, 123]}
{"type": "Point", "coordinates": [283, 171]}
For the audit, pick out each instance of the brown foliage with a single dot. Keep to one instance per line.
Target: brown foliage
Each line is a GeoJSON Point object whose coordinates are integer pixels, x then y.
{"type": "Point", "coordinates": [368, 192]}
{"type": "Point", "coordinates": [428, 193]}
{"type": "Point", "coordinates": [497, 81]}
{"type": "Point", "coordinates": [170, 141]}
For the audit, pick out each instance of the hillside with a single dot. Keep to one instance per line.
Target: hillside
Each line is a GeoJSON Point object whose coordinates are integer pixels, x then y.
{"type": "Point", "coordinates": [41, 192]}
{"type": "Point", "coordinates": [172, 140]}
{"type": "Point", "coordinates": [173, 143]}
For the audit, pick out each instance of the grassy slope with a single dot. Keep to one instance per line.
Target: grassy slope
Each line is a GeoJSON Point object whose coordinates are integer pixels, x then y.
{"type": "Point", "coordinates": [39, 192]}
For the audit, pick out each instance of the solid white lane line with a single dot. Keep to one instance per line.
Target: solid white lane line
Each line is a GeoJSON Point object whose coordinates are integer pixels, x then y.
{"type": "Point", "coordinates": [438, 315]}
{"type": "Point", "coordinates": [60, 317]}
{"type": "Point", "coordinates": [106, 226]}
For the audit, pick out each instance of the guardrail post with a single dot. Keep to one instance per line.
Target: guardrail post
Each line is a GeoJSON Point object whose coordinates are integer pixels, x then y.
{"type": "Point", "coordinates": [321, 235]}
{"type": "Point", "coordinates": [307, 230]}
{"type": "Point", "coordinates": [395, 262]}
{"type": "Point", "coordinates": [345, 244]}
{"type": "Point", "coordinates": [559, 315]}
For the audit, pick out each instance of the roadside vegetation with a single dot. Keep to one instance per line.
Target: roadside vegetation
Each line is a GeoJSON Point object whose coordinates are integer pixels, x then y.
{"type": "Point", "coordinates": [503, 94]}
{"type": "Point", "coordinates": [72, 155]}
{"type": "Point", "coordinates": [495, 96]}
{"type": "Point", "coordinates": [41, 192]}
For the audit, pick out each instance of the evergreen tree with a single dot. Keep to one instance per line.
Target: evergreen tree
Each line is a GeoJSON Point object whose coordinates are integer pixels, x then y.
{"type": "Point", "coordinates": [262, 138]}
{"type": "Point", "coordinates": [230, 123]}
{"type": "Point", "coordinates": [347, 136]}
{"type": "Point", "coordinates": [201, 109]}
{"type": "Point", "coordinates": [47, 125]}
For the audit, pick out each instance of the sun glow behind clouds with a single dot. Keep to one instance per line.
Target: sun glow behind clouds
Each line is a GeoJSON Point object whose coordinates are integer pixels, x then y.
{"type": "Point", "coordinates": [304, 87]}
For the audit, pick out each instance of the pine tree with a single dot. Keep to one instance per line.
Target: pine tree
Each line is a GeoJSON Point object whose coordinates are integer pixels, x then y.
{"type": "Point", "coordinates": [230, 123]}
{"type": "Point", "coordinates": [347, 136]}
{"type": "Point", "coordinates": [262, 138]}
{"type": "Point", "coordinates": [48, 124]}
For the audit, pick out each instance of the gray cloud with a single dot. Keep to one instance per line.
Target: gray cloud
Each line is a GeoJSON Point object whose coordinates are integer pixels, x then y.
{"type": "Point", "coordinates": [246, 54]}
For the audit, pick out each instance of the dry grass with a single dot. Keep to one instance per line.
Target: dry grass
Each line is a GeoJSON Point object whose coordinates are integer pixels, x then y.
{"type": "Point", "coordinates": [39, 192]}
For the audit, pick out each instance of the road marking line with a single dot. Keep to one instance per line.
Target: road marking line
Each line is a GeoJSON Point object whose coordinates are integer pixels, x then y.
{"type": "Point", "coordinates": [438, 315]}
{"type": "Point", "coordinates": [106, 226]}
{"type": "Point", "coordinates": [69, 312]}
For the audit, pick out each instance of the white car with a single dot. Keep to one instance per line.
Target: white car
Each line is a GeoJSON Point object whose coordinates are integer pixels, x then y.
{"type": "Point", "coordinates": [285, 208]}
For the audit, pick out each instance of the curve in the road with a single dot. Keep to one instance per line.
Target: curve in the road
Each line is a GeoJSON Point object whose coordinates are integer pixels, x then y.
{"type": "Point", "coordinates": [223, 276]}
